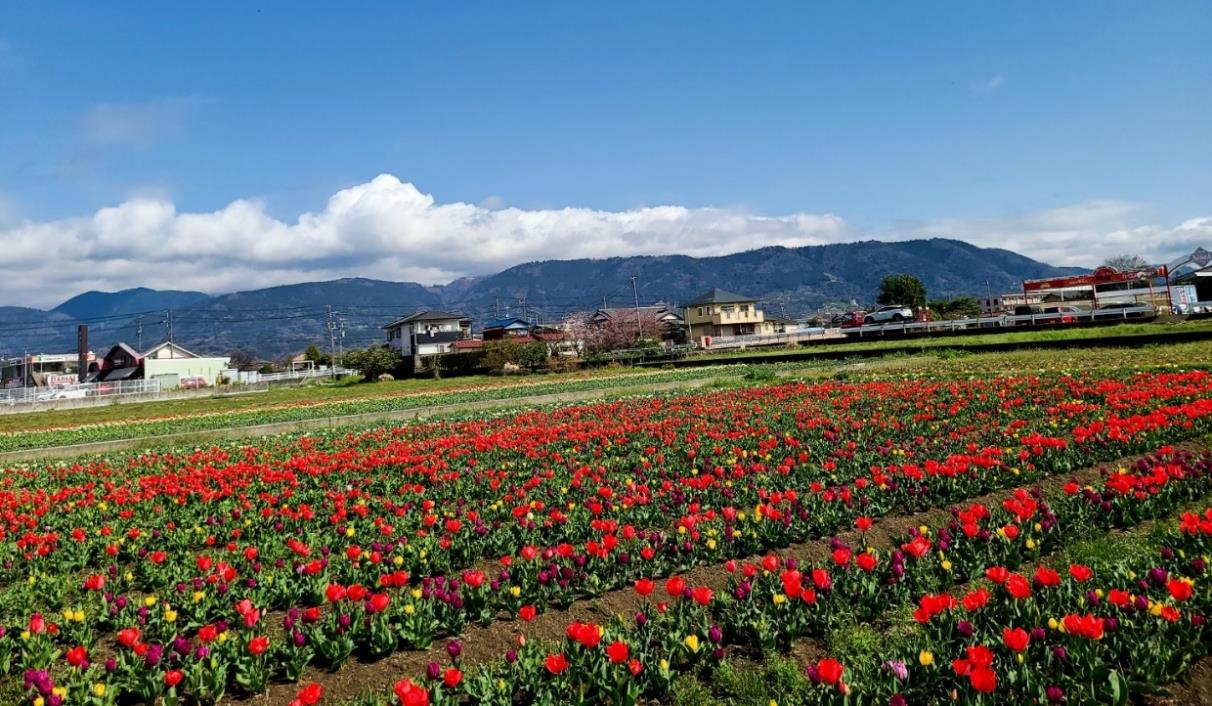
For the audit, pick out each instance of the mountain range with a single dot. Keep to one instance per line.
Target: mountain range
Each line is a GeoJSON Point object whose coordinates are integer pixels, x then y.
{"type": "Point", "coordinates": [273, 321]}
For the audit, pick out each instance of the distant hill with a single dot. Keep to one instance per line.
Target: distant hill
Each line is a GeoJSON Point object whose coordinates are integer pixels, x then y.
{"type": "Point", "coordinates": [795, 280]}
{"type": "Point", "coordinates": [92, 305]}
{"type": "Point", "coordinates": [277, 320]}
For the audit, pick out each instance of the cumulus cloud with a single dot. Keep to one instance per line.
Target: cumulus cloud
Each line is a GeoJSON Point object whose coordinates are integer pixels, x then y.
{"type": "Point", "coordinates": [1082, 234]}
{"type": "Point", "coordinates": [384, 228]}
{"type": "Point", "coordinates": [140, 123]}
{"type": "Point", "coordinates": [388, 229]}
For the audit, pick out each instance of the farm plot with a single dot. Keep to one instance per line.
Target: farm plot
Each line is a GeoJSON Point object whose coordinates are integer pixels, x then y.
{"type": "Point", "coordinates": [237, 570]}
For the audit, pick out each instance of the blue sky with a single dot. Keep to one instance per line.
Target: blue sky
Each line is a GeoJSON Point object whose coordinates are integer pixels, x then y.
{"type": "Point", "coordinates": [1026, 125]}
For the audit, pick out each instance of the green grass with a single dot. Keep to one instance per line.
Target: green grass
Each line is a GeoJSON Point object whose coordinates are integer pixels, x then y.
{"type": "Point", "coordinates": [281, 397]}
{"type": "Point", "coordinates": [1060, 333]}
{"type": "Point", "coordinates": [776, 680]}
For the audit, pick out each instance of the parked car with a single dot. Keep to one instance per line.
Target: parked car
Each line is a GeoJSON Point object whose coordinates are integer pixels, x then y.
{"type": "Point", "coordinates": [192, 383]}
{"type": "Point", "coordinates": [850, 319]}
{"type": "Point", "coordinates": [61, 395]}
{"type": "Point", "coordinates": [893, 312]}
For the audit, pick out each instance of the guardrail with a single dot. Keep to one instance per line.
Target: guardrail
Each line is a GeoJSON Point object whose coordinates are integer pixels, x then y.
{"type": "Point", "coordinates": [1006, 321]}
{"type": "Point", "coordinates": [253, 376]}
{"type": "Point", "coordinates": [773, 339]}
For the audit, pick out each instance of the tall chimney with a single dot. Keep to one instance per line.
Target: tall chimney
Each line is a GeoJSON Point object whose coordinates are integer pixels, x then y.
{"type": "Point", "coordinates": [82, 352]}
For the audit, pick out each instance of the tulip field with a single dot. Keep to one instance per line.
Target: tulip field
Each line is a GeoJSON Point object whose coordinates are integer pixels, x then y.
{"type": "Point", "coordinates": [637, 550]}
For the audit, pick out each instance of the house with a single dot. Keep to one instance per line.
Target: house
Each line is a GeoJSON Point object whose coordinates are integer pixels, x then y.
{"type": "Point", "coordinates": [673, 326]}
{"type": "Point", "coordinates": [779, 324]}
{"type": "Point", "coordinates": [41, 370]}
{"type": "Point", "coordinates": [173, 365]}
{"type": "Point", "coordinates": [511, 327]}
{"type": "Point", "coordinates": [519, 330]}
{"type": "Point", "coordinates": [427, 333]}
{"type": "Point", "coordinates": [121, 363]}
{"type": "Point", "coordinates": [718, 312]}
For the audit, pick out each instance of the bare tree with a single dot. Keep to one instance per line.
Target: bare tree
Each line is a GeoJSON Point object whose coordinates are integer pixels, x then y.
{"type": "Point", "coordinates": [243, 360]}
{"type": "Point", "coordinates": [1126, 261]}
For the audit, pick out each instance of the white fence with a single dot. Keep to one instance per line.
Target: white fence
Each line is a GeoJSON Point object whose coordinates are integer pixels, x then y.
{"type": "Point", "coordinates": [79, 391]}
{"type": "Point", "coordinates": [774, 339]}
{"type": "Point", "coordinates": [249, 377]}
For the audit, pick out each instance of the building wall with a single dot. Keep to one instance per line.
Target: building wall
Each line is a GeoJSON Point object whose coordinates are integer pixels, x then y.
{"type": "Point", "coordinates": [741, 318]}
{"type": "Point", "coordinates": [164, 368]}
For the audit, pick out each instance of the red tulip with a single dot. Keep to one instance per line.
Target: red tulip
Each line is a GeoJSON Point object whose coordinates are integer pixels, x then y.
{"type": "Point", "coordinates": [618, 652]}
{"type": "Point", "coordinates": [77, 656]}
{"type": "Point", "coordinates": [475, 579]}
{"type": "Point", "coordinates": [378, 603]}
{"type": "Point", "coordinates": [258, 645]}
{"type": "Point", "coordinates": [127, 637]}
{"type": "Point", "coordinates": [309, 695]}
{"type": "Point", "coordinates": [1080, 573]}
{"type": "Point", "coordinates": [1016, 639]}
{"type": "Point", "coordinates": [1018, 586]}
{"type": "Point", "coordinates": [556, 663]}
{"type": "Point", "coordinates": [829, 670]}
{"type": "Point", "coordinates": [1180, 590]}
{"type": "Point", "coordinates": [410, 694]}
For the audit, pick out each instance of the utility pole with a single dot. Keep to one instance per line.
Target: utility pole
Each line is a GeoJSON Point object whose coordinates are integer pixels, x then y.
{"type": "Point", "coordinates": [139, 332]}
{"type": "Point", "coordinates": [171, 344]}
{"type": "Point", "coordinates": [332, 338]}
{"type": "Point", "coordinates": [340, 343]}
{"type": "Point", "coordinates": [639, 333]}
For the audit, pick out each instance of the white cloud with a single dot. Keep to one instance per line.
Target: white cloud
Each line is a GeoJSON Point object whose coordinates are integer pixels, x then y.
{"type": "Point", "coordinates": [1082, 234]}
{"type": "Point", "coordinates": [383, 228]}
{"type": "Point", "coordinates": [388, 229]}
{"type": "Point", "coordinates": [141, 123]}
{"type": "Point", "coordinates": [990, 84]}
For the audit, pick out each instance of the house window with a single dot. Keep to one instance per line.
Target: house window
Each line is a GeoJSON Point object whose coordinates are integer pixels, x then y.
{"type": "Point", "coordinates": [700, 311]}
{"type": "Point", "coordinates": [744, 308]}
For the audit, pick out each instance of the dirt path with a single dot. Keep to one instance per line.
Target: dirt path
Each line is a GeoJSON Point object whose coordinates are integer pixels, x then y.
{"type": "Point", "coordinates": [482, 644]}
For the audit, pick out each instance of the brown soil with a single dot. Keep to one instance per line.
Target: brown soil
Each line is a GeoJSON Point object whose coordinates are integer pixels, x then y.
{"type": "Point", "coordinates": [482, 644]}
{"type": "Point", "coordinates": [1195, 690]}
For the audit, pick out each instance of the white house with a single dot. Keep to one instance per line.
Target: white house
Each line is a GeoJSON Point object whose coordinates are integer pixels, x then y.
{"type": "Point", "coordinates": [426, 333]}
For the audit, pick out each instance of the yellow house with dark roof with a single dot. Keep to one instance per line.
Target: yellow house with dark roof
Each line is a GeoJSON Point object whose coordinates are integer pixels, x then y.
{"type": "Point", "coordinates": [718, 312]}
